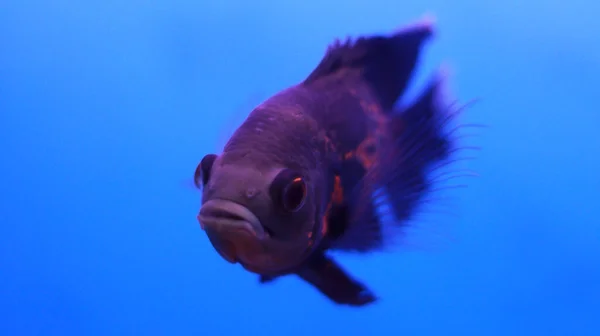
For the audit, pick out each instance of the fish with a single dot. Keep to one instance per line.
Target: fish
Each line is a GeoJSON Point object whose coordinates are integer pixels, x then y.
{"type": "Point", "coordinates": [302, 175]}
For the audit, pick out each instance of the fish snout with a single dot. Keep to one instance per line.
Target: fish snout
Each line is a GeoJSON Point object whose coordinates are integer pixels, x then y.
{"type": "Point", "coordinates": [233, 230]}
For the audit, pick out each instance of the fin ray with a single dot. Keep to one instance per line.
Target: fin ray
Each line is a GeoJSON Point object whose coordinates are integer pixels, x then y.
{"type": "Point", "coordinates": [386, 63]}
{"type": "Point", "coordinates": [422, 144]}
{"type": "Point", "coordinates": [331, 280]}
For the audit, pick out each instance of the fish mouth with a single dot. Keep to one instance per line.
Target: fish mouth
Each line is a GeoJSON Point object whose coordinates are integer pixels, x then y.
{"type": "Point", "coordinates": [233, 230]}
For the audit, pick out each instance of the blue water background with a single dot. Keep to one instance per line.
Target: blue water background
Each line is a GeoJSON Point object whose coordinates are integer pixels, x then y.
{"type": "Point", "coordinates": [107, 106]}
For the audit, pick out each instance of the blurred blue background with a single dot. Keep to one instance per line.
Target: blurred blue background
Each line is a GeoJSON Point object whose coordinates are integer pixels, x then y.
{"type": "Point", "coordinates": [107, 106]}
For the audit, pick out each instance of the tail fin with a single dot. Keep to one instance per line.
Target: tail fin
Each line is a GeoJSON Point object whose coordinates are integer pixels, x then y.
{"type": "Point", "coordinates": [423, 140]}
{"type": "Point", "coordinates": [385, 62]}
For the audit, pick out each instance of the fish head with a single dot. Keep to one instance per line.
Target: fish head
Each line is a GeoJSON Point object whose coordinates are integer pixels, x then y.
{"type": "Point", "coordinates": [264, 218]}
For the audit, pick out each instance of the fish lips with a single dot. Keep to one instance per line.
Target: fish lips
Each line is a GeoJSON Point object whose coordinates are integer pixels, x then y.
{"type": "Point", "coordinates": [233, 230]}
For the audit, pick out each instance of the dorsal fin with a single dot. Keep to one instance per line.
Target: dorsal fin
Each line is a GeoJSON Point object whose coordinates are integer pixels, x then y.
{"type": "Point", "coordinates": [384, 62]}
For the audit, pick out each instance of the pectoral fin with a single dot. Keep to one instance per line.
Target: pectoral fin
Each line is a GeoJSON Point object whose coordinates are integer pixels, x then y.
{"type": "Point", "coordinates": [332, 281]}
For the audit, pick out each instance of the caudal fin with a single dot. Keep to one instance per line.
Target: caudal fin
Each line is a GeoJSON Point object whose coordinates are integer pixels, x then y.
{"type": "Point", "coordinates": [386, 63]}
{"type": "Point", "coordinates": [423, 142]}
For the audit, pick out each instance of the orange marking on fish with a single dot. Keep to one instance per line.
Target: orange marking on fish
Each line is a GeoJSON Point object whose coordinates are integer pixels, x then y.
{"type": "Point", "coordinates": [328, 141]}
{"type": "Point", "coordinates": [328, 144]}
{"type": "Point", "coordinates": [373, 108]}
{"type": "Point", "coordinates": [366, 158]}
{"type": "Point", "coordinates": [373, 111]}
{"type": "Point", "coordinates": [324, 222]}
{"type": "Point", "coordinates": [337, 196]}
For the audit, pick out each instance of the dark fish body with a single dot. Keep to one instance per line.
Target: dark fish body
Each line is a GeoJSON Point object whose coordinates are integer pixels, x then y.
{"type": "Point", "coordinates": [301, 175]}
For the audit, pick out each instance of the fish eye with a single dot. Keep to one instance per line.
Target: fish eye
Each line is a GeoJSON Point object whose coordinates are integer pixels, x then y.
{"type": "Point", "coordinates": [289, 190]}
{"type": "Point", "coordinates": [202, 173]}
{"type": "Point", "coordinates": [294, 195]}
